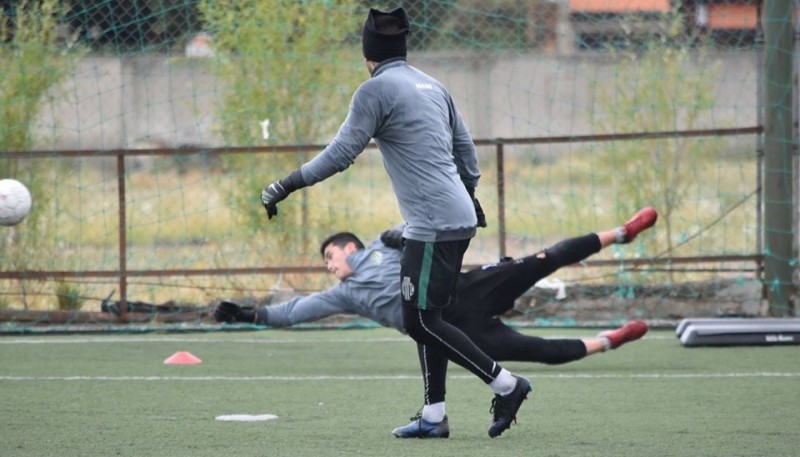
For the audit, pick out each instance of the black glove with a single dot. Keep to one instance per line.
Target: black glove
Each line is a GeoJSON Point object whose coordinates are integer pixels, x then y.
{"type": "Point", "coordinates": [229, 312]}
{"type": "Point", "coordinates": [279, 190]}
{"type": "Point", "coordinates": [226, 312]}
{"type": "Point", "coordinates": [270, 197]}
{"type": "Point", "coordinates": [478, 210]}
{"type": "Point", "coordinates": [392, 239]}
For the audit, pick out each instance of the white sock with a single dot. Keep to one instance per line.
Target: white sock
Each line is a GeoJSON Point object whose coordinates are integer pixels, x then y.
{"type": "Point", "coordinates": [433, 413]}
{"type": "Point", "coordinates": [504, 383]}
{"type": "Point", "coordinates": [620, 233]}
{"type": "Point", "coordinates": [606, 343]}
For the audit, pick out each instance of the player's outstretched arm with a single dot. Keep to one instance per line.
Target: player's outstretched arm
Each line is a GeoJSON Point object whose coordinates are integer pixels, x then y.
{"type": "Point", "coordinates": [295, 311]}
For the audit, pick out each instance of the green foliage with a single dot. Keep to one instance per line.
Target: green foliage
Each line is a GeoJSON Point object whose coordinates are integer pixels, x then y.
{"type": "Point", "coordinates": [294, 63]}
{"type": "Point", "coordinates": [664, 85]}
{"type": "Point", "coordinates": [33, 60]}
{"type": "Point", "coordinates": [286, 61]}
{"type": "Point", "coordinates": [481, 25]}
{"type": "Point", "coordinates": [426, 17]}
{"type": "Point", "coordinates": [68, 297]}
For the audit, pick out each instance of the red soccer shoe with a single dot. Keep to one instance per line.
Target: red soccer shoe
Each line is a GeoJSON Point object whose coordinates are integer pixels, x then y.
{"type": "Point", "coordinates": [631, 331]}
{"type": "Point", "coordinates": [643, 220]}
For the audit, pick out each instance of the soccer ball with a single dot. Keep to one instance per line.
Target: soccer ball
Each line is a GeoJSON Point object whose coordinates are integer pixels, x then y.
{"type": "Point", "coordinates": [15, 202]}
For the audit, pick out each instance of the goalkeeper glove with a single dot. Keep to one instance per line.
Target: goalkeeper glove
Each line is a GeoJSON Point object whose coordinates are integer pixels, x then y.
{"type": "Point", "coordinates": [392, 239]}
{"type": "Point", "coordinates": [279, 190]}
{"type": "Point", "coordinates": [229, 312]}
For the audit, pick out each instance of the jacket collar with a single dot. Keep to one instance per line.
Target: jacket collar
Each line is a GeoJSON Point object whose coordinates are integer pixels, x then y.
{"type": "Point", "coordinates": [388, 63]}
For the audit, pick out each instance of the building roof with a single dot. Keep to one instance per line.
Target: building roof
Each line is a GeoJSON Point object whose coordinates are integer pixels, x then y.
{"type": "Point", "coordinates": [731, 16]}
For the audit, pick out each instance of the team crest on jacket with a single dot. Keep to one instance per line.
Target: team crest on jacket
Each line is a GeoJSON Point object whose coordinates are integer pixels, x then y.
{"type": "Point", "coordinates": [407, 288]}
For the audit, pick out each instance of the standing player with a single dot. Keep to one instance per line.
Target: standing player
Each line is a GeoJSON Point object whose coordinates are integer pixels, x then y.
{"type": "Point", "coordinates": [370, 283]}
{"type": "Point", "coordinates": [431, 161]}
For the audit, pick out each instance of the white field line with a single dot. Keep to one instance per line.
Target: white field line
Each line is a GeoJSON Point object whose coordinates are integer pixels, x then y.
{"type": "Point", "coordinates": [120, 340]}
{"type": "Point", "coordinates": [414, 377]}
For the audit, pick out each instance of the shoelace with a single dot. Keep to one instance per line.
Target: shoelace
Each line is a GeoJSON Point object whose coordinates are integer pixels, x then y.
{"type": "Point", "coordinates": [498, 408]}
{"type": "Point", "coordinates": [418, 419]}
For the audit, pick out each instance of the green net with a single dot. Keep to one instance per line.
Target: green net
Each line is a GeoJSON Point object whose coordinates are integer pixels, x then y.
{"type": "Point", "coordinates": [146, 129]}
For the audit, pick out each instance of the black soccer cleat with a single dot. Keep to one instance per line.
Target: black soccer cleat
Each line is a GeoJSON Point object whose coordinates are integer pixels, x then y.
{"type": "Point", "coordinates": [505, 407]}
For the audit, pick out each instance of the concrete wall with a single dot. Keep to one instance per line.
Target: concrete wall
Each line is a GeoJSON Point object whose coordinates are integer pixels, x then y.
{"type": "Point", "coordinates": [156, 101]}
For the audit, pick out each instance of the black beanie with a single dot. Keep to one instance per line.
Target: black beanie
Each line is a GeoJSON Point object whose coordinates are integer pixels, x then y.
{"type": "Point", "coordinates": [378, 46]}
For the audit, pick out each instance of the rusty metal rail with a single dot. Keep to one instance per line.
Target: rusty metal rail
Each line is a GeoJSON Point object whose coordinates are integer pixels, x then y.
{"type": "Point", "coordinates": [122, 274]}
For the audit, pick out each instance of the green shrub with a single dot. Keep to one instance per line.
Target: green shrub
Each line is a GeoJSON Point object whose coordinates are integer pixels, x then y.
{"type": "Point", "coordinates": [68, 296]}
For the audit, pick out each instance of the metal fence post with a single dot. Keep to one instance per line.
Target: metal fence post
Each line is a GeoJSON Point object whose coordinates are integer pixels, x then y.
{"type": "Point", "coordinates": [123, 241]}
{"type": "Point", "coordinates": [501, 200]}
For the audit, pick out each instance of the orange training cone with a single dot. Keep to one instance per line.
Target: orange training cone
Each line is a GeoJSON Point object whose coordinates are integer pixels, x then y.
{"type": "Point", "coordinates": [183, 358]}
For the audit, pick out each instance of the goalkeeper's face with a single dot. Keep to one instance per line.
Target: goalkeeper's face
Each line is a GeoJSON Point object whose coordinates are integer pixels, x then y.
{"type": "Point", "coordinates": [336, 260]}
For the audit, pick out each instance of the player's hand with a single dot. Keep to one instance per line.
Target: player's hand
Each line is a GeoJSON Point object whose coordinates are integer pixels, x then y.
{"type": "Point", "coordinates": [392, 239]}
{"type": "Point", "coordinates": [479, 213]}
{"type": "Point", "coordinates": [271, 195]}
{"type": "Point", "coordinates": [478, 209]}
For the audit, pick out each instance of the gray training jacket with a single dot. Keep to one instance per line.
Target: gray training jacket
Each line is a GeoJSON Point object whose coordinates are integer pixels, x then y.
{"type": "Point", "coordinates": [427, 150]}
{"type": "Point", "coordinates": [372, 291]}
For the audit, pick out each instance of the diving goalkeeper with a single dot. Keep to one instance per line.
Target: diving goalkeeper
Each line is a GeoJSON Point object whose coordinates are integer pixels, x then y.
{"type": "Point", "coordinates": [370, 287]}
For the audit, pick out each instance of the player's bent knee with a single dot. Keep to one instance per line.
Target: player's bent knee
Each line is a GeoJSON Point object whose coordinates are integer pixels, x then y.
{"type": "Point", "coordinates": [420, 324]}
